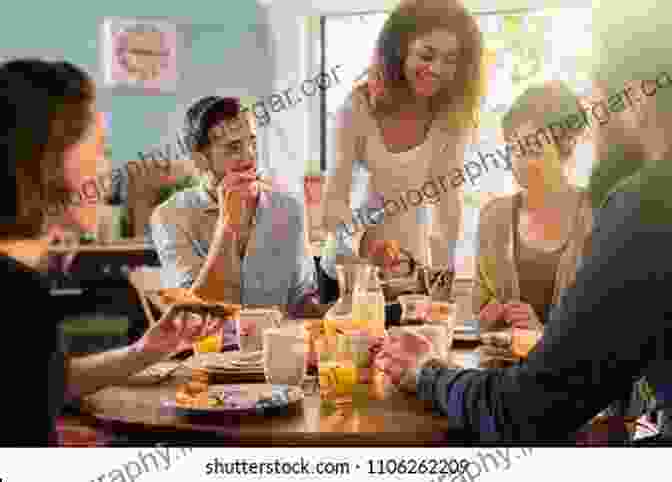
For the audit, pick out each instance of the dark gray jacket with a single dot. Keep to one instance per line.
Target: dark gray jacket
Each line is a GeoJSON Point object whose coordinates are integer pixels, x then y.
{"type": "Point", "coordinates": [610, 329]}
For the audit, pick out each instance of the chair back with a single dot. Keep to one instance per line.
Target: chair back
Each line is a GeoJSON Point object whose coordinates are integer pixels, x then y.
{"type": "Point", "coordinates": [145, 181]}
{"type": "Point", "coordinates": [146, 281]}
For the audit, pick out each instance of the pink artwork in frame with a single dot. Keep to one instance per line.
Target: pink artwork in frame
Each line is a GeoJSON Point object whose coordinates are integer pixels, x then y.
{"type": "Point", "coordinates": [141, 54]}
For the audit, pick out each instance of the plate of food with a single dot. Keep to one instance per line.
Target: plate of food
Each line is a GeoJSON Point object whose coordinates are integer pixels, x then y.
{"type": "Point", "coordinates": [196, 398]}
{"type": "Point", "coordinates": [228, 367]}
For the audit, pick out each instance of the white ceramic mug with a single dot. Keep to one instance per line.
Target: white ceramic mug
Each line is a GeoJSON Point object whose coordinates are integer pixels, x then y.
{"type": "Point", "coordinates": [254, 322]}
{"type": "Point", "coordinates": [284, 356]}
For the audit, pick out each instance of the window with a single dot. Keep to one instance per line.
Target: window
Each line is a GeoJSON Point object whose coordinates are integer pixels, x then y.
{"type": "Point", "coordinates": [522, 47]}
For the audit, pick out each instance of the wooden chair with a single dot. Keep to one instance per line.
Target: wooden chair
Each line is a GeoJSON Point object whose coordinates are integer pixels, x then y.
{"type": "Point", "coordinates": [144, 186]}
{"type": "Point", "coordinates": [147, 282]}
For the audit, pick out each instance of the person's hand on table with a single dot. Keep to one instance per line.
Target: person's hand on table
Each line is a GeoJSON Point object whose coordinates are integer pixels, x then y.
{"type": "Point", "coordinates": [248, 326]}
{"type": "Point", "coordinates": [401, 356]}
{"type": "Point", "coordinates": [178, 329]}
{"type": "Point", "coordinates": [499, 342]}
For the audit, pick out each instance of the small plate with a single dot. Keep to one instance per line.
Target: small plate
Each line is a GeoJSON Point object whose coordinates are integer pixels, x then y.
{"type": "Point", "coordinates": [157, 372]}
{"type": "Point", "coordinates": [250, 399]}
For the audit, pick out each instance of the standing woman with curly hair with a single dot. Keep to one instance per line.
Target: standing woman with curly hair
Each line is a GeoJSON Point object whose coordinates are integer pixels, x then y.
{"type": "Point", "coordinates": [409, 123]}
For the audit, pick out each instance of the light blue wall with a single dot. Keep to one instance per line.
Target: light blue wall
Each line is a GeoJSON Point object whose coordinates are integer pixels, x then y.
{"type": "Point", "coordinates": [69, 30]}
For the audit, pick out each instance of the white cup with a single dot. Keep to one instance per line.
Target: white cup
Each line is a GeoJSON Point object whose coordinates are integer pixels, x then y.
{"type": "Point", "coordinates": [257, 321]}
{"type": "Point", "coordinates": [284, 357]}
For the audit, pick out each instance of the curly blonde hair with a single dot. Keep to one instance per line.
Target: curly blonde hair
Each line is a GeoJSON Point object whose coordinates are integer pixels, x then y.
{"type": "Point", "coordinates": [458, 103]}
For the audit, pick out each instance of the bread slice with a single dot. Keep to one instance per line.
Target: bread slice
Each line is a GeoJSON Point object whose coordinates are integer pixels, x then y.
{"type": "Point", "coordinates": [185, 299]}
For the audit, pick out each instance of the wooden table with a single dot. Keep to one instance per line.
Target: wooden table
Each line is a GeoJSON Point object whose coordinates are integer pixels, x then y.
{"type": "Point", "coordinates": [135, 411]}
{"type": "Point", "coordinates": [125, 246]}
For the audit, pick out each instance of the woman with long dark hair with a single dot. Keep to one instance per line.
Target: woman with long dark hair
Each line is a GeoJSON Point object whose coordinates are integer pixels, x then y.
{"type": "Point", "coordinates": [47, 112]}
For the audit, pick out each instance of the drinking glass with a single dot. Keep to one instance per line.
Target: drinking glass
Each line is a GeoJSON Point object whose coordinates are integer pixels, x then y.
{"type": "Point", "coordinates": [523, 341]}
{"type": "Point", "coordinates": [346, 376]}
{"type": "Point", "coordinates": [368, 304]}
{"type": "Point", "coordinates": [284, 355]}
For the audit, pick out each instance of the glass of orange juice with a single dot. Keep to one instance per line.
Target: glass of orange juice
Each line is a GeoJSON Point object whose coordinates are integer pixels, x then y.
{"type": "Point", "coordinates": [345, 374]}
{"type": "Point", "coordinates": [523, 340]}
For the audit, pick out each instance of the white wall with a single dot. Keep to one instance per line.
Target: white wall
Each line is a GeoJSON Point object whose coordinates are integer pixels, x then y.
{"type": "Point", "coordinates": [244, 69]}
{"type": "Point", "coordinates": [287, 132]}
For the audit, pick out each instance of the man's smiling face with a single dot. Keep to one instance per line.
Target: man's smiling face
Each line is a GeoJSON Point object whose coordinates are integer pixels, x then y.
{"type": "Point", "coordinates": [233, 145]}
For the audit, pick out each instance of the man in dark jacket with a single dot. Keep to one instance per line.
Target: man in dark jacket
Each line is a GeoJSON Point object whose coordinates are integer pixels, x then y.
{"type": "Point", "coordinates": [612, 327]}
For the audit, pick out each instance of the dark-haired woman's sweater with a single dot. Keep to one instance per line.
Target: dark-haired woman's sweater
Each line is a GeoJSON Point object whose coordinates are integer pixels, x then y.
{"type": "Point", "coordinates": [32, 358]}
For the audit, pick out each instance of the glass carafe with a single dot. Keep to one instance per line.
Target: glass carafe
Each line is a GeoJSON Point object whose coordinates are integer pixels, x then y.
{"type": "Point", "coordinates": [340, 314]}
{"type": "Point", "coordinates": [368, 301]}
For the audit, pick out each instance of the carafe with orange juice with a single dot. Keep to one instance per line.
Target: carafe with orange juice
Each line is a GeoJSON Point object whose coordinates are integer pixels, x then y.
{"type": "Point", "coordinates": [368, 302]}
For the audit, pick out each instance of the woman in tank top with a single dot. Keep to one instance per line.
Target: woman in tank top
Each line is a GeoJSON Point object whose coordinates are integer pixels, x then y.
{"type": "Point", "coordinates": [409, 123]}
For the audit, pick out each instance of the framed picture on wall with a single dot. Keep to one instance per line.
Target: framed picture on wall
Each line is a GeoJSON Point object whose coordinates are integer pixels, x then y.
{"type": "Point", "coordinates": [139, 53]}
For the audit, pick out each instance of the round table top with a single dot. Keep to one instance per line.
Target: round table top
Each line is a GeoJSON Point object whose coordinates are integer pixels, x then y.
{"type": "Point", "coordinates": [394, 419]}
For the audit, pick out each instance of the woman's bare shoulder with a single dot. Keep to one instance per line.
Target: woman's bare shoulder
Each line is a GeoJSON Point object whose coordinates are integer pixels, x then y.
{"type": "Point", "coordinates": [354, 112]}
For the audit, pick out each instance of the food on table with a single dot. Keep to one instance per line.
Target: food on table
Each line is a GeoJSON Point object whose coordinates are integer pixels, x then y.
{"type": "Point", "coordinates": [331, 327]}
{"type": "Point", "coordinates": [235, 397]}
{"type": "Point", "coordinates": [345, 378]}
{"type": "Point", "coordinates": [336, 378]}
{"type": "Point", "coordinates": [187, 299]}
{"type": "Point", "coordinates": [194, 393]}
{"type": "Point", "coordinates": [209, 344]}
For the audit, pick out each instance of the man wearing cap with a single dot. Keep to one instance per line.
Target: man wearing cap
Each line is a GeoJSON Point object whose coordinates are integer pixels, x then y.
{"type": "Point", "coordinates": [251, 251]}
